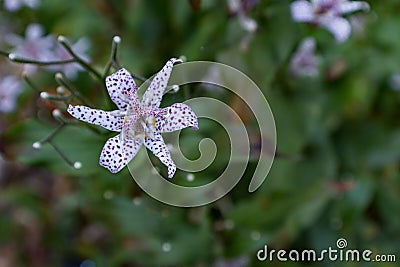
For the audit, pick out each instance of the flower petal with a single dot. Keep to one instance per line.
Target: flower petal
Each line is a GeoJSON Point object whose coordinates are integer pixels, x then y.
{"type": "Point", "coordinates": [117, 154]}
{"type": "Point", "coordinates": [121, 88]}
{"type": "Point", "coordinates": [34, 31]}
{"type": "Point", "coordinates": [160, 150]}
{"type": "Point", "coordinates": [302, 11]}
{"type": "Point", "coordinates": [153, 95]}
{"type": "Point", "coordinates": [304, 62]}
{"type": "Point", "coordinates": [176, 117]}
{"type": "Point", "coordinates": [348, 7]}
{"type": "Point", "coordinates": [339, 27]}
{"type": "Point", "coordinates": [96, 116]}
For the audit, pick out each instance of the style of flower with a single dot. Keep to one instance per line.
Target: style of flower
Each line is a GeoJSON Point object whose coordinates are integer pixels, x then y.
{"type": "Point", "coordinates": [15, 5]}
{"type": "Point", "coordinates": [35, 46]}
{"type": "Point", "coordinates": [139, 123]}
{"type": "Point", "coordinates": [304, 61]}
{"type": "Point", "coordinates": [70, 70]}
{"type": "Point", "coordinates": [327, 14]}
{"type": "Point", "coordinates": [10, 88]}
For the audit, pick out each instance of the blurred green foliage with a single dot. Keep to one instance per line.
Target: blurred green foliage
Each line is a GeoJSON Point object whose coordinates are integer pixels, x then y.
{"type": "Point", "coordinates": [336, 174]}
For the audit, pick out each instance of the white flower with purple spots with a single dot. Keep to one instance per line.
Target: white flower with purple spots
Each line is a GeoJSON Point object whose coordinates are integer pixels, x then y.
{"type": "Point", "coordinates": [139, 122]}
{"type": "Point", "coordinates": [327, 14]}
{"type": "Point", "coordinates": [304, 62]}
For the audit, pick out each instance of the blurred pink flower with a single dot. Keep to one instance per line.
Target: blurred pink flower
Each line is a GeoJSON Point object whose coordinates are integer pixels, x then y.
{"type": "Point", "coordinates": [140, 123]}
{"type": "Point", "coordinates": [239, 8]}
{"type": "Point", "coordinates": [327, 14]}
{"type": "Point", "coordinates": [10, 88]}
{"type": "Point", "coordinates": [6, 28]}
{"type": "Point", "coordinates": [304, 61]}
{"type": "Point", "coordinates": [35, 46]}
{"type": "Point", "coordinates": [394, 81]}
{"type": "Point", "coordinates": [241, 261]}
{"type": "Point", "coordinates": [14, 5]}
{"type": "Point", "coordinates": [70, 70]}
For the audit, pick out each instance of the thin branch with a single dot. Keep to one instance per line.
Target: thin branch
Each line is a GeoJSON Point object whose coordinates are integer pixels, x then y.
{"type": "Point", "coordinates": [3, 53]}
{"type": "Point", "coordinates": [30, 83]}
{"type": "Point", "coordinates": [63, 156]}
{"type": "Point", "coordinates": [63, 41]}
{"type": "Point", "coordinates": [138, 77]}
{"type": "Point", "coordinates": [16, 59]}
{"type": "Point", "coordinates": [113, 61]}
{"type": "Point", "coordinates": [63, 82]}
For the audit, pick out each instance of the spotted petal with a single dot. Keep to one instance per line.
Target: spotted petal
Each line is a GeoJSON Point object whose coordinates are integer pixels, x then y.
{"type": "Point", "coordinates": [339, 27]}
{"type": "Point", "coordinates": [121, 88]}
{"type": "Point", "coordinates": [176, 117]}
{"type": "Point", "coordinates": [302, 11]}
{"type": "Point", "coordinates": [153, 95]}
{"type": "Point", "coordinates": [116, 154]}
{"type": "Point", "coordinates": [160, 150]}
{"type": "Point", "coordinates": [96, 116]}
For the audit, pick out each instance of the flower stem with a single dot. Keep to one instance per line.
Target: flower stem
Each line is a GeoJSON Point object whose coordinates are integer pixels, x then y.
{"type": "Point", "coordinates": [3, 53]}
{"type": "Point", "coordinates": [63, 41]}
{"type": "Point", "coordinates": [49, 140]}
{"type": "Point", "coordinates": [52, 97]}
{"type": "Point", "coordinates": [30, 83]}
{"type": "Point", "coordinates": [113, 62]}
{"type": "Point", "coordinates": [63, 156]}
{"type": "Point", "coordinates": [17, 59]}
{"type": "Point", "coordinates": [138, 77]}
{"type": "Point", "coordinates": [14, 58]}
{"type": "Point", "coordinates": [60, 78]}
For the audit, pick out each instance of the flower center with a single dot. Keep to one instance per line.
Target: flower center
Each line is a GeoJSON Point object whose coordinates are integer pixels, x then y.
{"type": "Point", "coordinates": [326, 7]}
{"type": "Point", "coordinates": [139, 124]}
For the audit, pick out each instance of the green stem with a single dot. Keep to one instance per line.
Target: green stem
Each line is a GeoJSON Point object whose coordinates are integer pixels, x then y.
{"type": "Point", "coordinates": [52, 97]}
{"type": "Point", "coordinates": [63, 41]}
{"type": "Point", "coordinates": [30, 83]}
{"type": "Point", "coordinates": [63, 156]}
{"type": "Point", "coordinates": [138, 77]}
{"type": "Point", "coordinates": [113, 62]}
{"type": "Point", "coordinates": [52, 134]}
{"type": "Point", "coordinates": [63, 82]}
{"type": "Point", "coordinates": [16, 59]}
{"type": "Point", "coordinates": [3, 53]}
